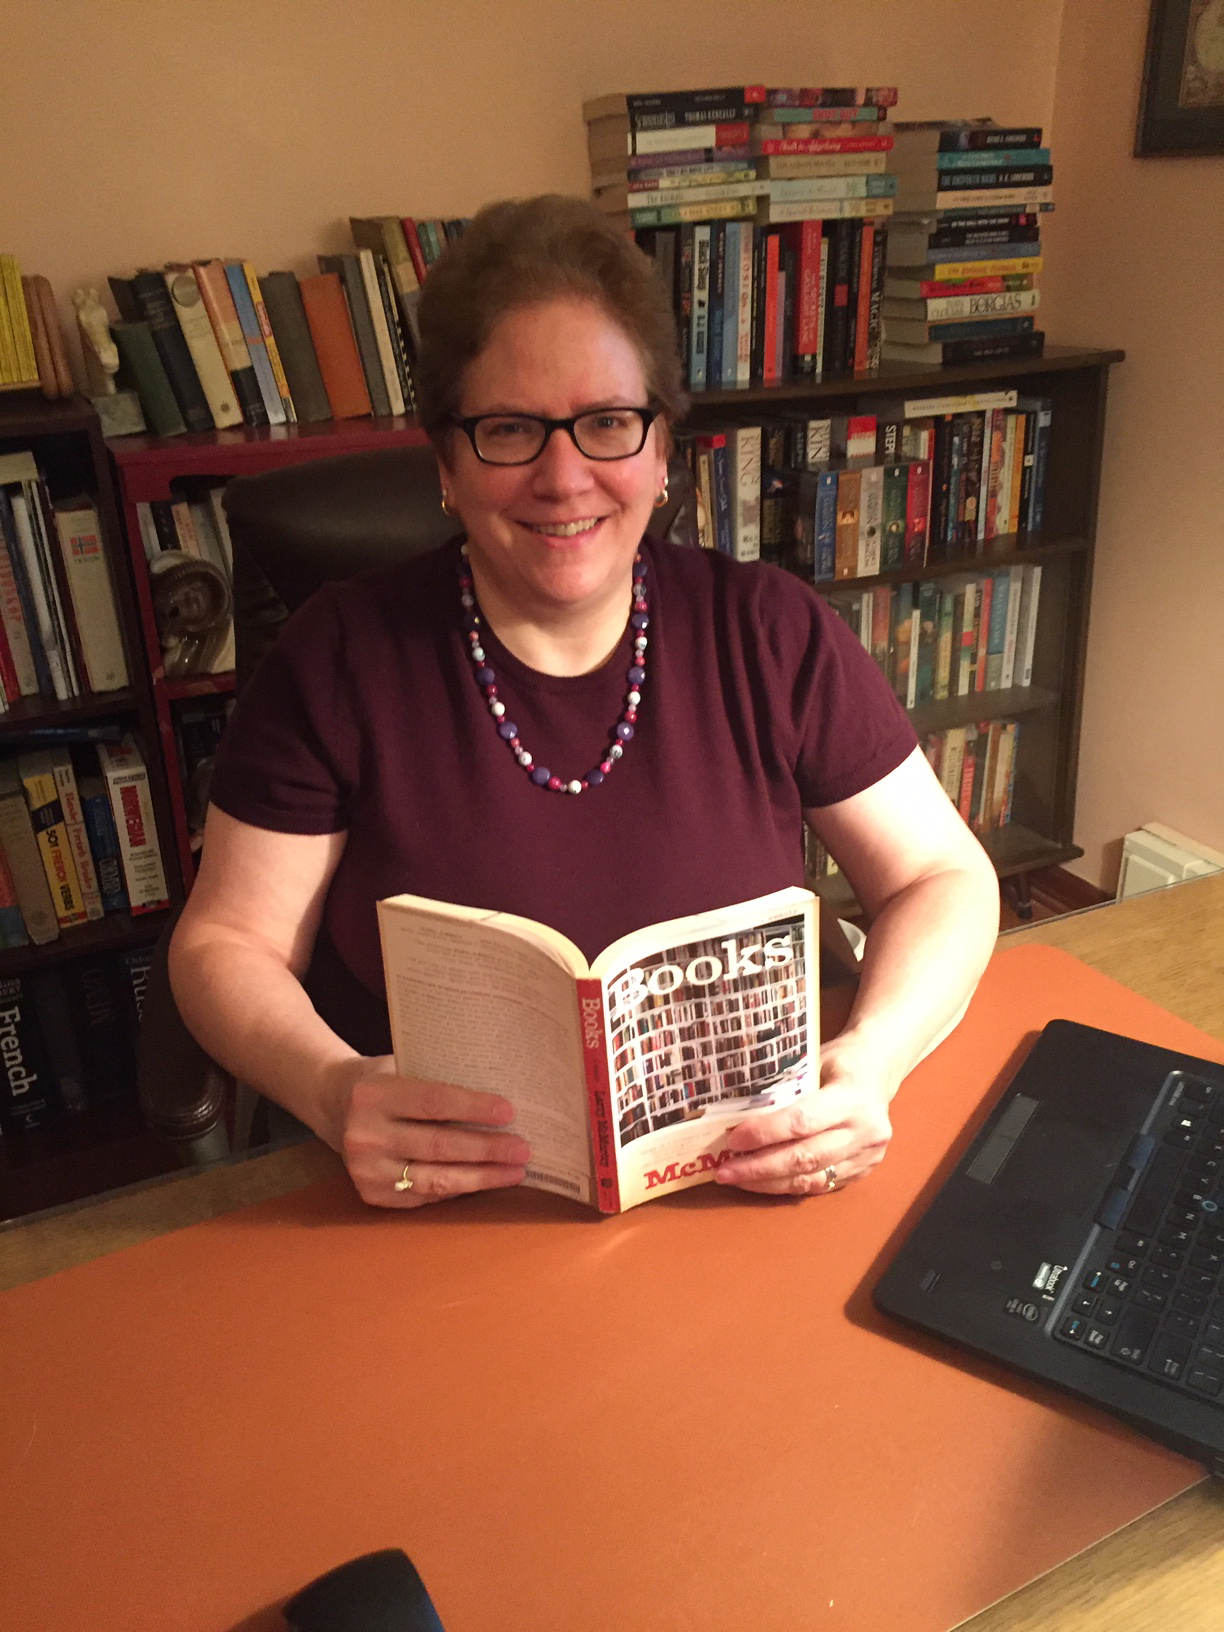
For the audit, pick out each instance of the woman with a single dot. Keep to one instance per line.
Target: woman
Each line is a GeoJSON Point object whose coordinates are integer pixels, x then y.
{"type": "Point", "coordinates": [561, 717]}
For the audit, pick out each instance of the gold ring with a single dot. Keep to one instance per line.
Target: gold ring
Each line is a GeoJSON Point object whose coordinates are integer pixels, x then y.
{"type": "Point", "coordinates": [404, 1182]}
{"type": "Point", "coordinates": [830, 1178]}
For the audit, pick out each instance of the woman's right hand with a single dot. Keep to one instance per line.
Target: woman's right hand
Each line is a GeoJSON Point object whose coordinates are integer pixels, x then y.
{"type": "Point", "coordinates": [385, 1124]}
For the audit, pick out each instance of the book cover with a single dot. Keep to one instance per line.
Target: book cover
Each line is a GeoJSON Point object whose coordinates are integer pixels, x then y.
{"type": "Point", "coordinates": [50, 831]}
{"type": "Point", "coordinates": [155, 306]}
{"type": "Point", "coordinates": [87, 571]}
{"type": "Point", "coordinates": [197, 329]}
{"type": "Point", "coordinates": [127, 785]}
{"type": "Point", "coordinates": [917, 513]}
{"type": "Point", "coordinates": [335, 345]}
{"type": "Point", "coordinates": [616, 1108]}
{"type": "Point", "coordinates": [699, 353]}
{"type": "Point", "coordinates": [892, 523]}
{"type": "Point", "coordinates": [382, 332]}
{"type": "Point", "coordinates": [744, 442]}
{"type": "Point", "coordinates": [253, 336]}
{"type": "Point", "coordinates": [282, 299]}
{"type": "Point", "coordinates": [27, 1093]}
{"type": "Point", "coordinates": [996, 634]}
{"type": "Point", "coordinates": [235, 353]}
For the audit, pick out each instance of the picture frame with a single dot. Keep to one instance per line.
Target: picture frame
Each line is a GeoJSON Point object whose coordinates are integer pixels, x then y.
{"type": "Point", "coordinates": [1181, 105]}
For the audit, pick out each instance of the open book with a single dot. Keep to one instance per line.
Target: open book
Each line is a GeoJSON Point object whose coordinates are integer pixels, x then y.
{"type": "Point", "coordinates": [626, 1074]}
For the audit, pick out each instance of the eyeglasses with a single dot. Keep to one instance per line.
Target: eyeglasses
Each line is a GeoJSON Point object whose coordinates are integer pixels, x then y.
{"type": "Point", "coordinates": [517, 439]}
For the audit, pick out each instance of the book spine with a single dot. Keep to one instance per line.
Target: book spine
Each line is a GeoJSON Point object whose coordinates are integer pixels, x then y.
{"type": "Point", "coordinates": [841, 248]}
{"type": "Point", "coordinates": [825, 527]}
{"type": "Point", "coordinates": [157, 309]}
{"type": "Point", "coordinates": [714, 322]}
{"type": "Point", "coordinates": [871, 516]}
{"type": "Point", "coordinates": [32, 582]}
{"type": "Point", "coordinates": [76, 833]}
{"type": "Point", "coordinates": [193, 320]}
{"type": "Point", "coordinates": [219, 304]}
{"type": "Point", "coordinates": [16, 631]}
{"type": "Point", "coordinates": [127, 784]}
{"type": "Point", "coordinates": [269, 340]}
{"type": "Point", "coordinates": [49, 1001]}
{"type": "Point", "coordinates": [27, 1099]}
{"type": "Point", "coordinates": [25, 866]}
{"type": "Point", "coordinates": [917, 513]}
{"type": "Point", "coordinates": [252, 333]}
{"type": "Point", "coordinates": [103, 844]}
{"type": "Point", "coordinates": [862, 317]}
{"type": "Point", "coordinates": [892, 523]}
{"type": "Point", "coordinates": [968, 138]}
{"type": "Point", "coordinates": [1007, 666]}
{"type": "Point", "coordinates": [142, 370]}
{"type": "Point", "coordinates": [103, 1034]}
{"type": "Point", "coordinates": [746, 503]}
{"type": "Point", "coordinates": [331, 332]}
{"type": "Point", "coordinates": [899, 643]}
{"type": "Point", "coordinates": [12, 924]}
{"type": "Point", "coordinates": [382, 334]}
{"type": "Point", "coordinates": [724, 525]}
{"type": "Point", "coordinates": [701, 307]}
{"type": "Point", "coordinates": [824, 144]}
{"type": "Point", "coordinates": [743, 317]}
{"type": "Point", "coordinates": [769, 357]}
{"type": "Point", "coordinates": [87, 572]}
{"type": "Point", "coordinates": [591, 1003]}
{"type": "Point", "coordinates": [54, 846]}
{"type": "Point", "coordinates": [849, 485]}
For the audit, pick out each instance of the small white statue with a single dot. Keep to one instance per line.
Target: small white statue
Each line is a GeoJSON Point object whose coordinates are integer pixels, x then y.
{"type": "Point", "coordinates": [98, 349]}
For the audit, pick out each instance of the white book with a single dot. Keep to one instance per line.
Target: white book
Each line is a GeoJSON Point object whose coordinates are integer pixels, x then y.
{"type": "Point", "coordinates": [76, 831]}
{"type": "Point", "coordinates": [828, 209]}
{"type": "Point", "coordinates": [789, 189]}
{"type": "Point", "coordinates": [871, 519]}
{"type": "Point", "coordinates": [745, 447]}
{"type": "Point", "coordinates": [127, 787]}
{"type": "Point", "coordinates": [197, 329]}
{"type": "Point", "coordinates": [664, 197]}
{"type": "Point", "coordinates": [1008, 668]}
{"type": "Point", "coordinates": [148, 532]}
{"type": "Point", "coordinates": [93, 595]}
{"type": "Point", "coordinates": [1026, 635]}
{"type": "Point", "coordinates": [382, 334]}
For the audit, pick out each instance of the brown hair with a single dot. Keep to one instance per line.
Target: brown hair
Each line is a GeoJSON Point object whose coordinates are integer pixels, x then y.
{"type": "Point", "coordinates": [516, 253]}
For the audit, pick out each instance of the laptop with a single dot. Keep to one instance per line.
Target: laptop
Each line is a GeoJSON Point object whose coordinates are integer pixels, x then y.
{"type": "Point", "coordinates": [1080, 1239]}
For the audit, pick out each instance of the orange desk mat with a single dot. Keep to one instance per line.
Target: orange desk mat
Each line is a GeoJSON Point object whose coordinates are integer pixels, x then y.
{"type": "Point", "coordinates": [688, 1416]}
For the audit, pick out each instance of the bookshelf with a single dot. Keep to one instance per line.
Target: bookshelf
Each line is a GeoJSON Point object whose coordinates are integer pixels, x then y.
{"type": "Point", "coordinates": [146, 468]}
{"type": "Point", "coordinates": [1076, 381]}
{"type": "Point", "coordinates": [107, 1145]}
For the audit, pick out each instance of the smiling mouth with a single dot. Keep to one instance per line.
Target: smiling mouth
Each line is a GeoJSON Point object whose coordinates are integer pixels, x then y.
{"type": "Point", "coordinates": [562, 529]}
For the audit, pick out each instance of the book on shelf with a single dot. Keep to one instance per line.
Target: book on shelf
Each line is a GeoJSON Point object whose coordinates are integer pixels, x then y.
{"type": "Point", "coordinates": [144, 297]}
{"type": "Point", "coordinates": [29, 538]}
{"type": "Point", "coordinates": [92, 593]}
{"type": "Point", "coordinates": [13, 931]}
{"type": "Point", "coordinates": [24, 859]}
{"type": "Point", "coordinates": [18, 359]}
{"type": "Point", "coordinates": [945, 353]}
{"type": "Point", "coordinates": [921, 136]}
{"type": "Point", "coordinates": [662, 110]}
{"type": "Point", "coordinates": [27, 1099]}
{"type": "Point", "coordinates": [55, 848]}
{"type": "Point", "coordinates": [615, 1108]}
{"type": "Point", "coordinates": [141, 370]}
{"type": "Point", "coordinates": [282, 297]}
{"type": "Point", "coordinates": [347, 268]}
{"type": "Point", "coordinates": [126, 779]}
{"type": "Point", "coordinates": [196, 324]}
{"type": "Point", "coordinates": [331, 330]}
{"type": "Point", "coordinates": [235, 353]}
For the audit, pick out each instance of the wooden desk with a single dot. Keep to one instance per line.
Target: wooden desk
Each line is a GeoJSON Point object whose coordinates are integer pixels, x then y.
{"type": "Point", "coordinates": [1165, 1570]}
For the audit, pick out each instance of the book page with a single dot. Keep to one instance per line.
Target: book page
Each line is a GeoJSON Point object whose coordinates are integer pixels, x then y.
{"type": "Point", "coordinates": [475, 1006]}
{"type": "Point", "coordinates": [702, 1035]}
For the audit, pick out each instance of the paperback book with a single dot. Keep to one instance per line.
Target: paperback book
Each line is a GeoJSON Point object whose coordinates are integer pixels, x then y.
{"type": "Point", "coordinates": [627, 1074]}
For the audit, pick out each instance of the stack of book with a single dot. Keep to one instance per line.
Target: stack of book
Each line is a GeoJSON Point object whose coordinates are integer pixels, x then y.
{"type": "Point", "coordinates": [763, 209]}
{"type": "Point", "coordinates": [211, 345]}
{"type": "Point", "coordinates": [59, 629]}
{"type": "Point", "coordinates": [965, 242]}
{"type": "Point", "coordinates": [70, 1038]}
{"type": "Point", "coordinates": [77, 836]}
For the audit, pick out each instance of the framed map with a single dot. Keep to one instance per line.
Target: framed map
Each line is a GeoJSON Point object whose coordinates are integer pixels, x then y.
{"type": "Point", "coordinates": [1181, 106]}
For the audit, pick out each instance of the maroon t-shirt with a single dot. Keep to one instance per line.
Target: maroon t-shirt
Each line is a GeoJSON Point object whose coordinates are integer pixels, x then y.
{"type": "Point", "coordinates": [366, 717]}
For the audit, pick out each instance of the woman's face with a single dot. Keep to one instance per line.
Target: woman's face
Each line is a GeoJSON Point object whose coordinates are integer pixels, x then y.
{"type": "Point", "coordinates": [561, 532]}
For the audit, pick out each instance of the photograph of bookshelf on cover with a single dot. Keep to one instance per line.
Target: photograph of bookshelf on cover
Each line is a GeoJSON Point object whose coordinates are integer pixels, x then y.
{"type": "Point", "coordinates": [711, 1028]}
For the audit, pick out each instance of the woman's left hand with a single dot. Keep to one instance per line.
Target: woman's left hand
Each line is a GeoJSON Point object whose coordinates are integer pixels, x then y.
{"type": "Point", "coordinates": [844, 1127]}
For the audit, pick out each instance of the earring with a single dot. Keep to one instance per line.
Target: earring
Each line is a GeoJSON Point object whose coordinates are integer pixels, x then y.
{"type": "Point", "coordinates": [662, 498]}
{"type": "Point", "coordinates": [446, 504]}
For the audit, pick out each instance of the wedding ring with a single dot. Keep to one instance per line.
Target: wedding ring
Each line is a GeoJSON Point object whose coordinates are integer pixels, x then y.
{"type": "Point", "coordinates": [830, 1178]}
{"type": "Point", "coordinates": [404, 1182]}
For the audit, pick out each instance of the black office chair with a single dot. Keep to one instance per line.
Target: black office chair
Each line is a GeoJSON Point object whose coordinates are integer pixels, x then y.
{"type": "Point", "coordinates": [293, 530]}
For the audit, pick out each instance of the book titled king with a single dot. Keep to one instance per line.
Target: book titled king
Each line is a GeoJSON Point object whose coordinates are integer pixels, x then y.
{"type": "Point", "coordinates": [627, 1073]}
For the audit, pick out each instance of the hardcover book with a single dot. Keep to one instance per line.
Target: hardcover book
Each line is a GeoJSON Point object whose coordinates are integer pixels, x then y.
{"type": "Point", "coordinates": [627, 1073]}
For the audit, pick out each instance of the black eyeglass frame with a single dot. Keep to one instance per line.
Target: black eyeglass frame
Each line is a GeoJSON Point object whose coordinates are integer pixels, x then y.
{"type": "Point", "coordinates": [468, 427]}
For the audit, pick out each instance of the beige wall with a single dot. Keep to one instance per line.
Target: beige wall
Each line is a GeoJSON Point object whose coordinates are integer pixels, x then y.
{"type": "Point", "coordinates": [1136, 260]}
{"type": "Point", "coordinates": [140, 131]}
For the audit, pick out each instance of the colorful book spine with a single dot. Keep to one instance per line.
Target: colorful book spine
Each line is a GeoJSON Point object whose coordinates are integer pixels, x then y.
{"type": "Point", "coordinates": [127, 785]}
{"type": "Point", "coordinates": [54, 846]}
{"type": "Point", "coordinates": [252, 334]}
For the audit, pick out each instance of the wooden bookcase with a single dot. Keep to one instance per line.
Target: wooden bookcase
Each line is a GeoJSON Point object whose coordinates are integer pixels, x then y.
{"type": "Point", "coordinates": [1041, 833]}
{"type": "Point", "coordinates": [109, 1145]}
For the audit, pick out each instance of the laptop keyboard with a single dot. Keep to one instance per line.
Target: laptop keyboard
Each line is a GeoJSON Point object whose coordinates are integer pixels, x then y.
{"type": "Point", "coordinates": [1153, 1300]}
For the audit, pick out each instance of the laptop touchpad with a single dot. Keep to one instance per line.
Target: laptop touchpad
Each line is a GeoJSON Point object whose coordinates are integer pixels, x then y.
{"type": "Point", "coordinates": [1060, 1161]}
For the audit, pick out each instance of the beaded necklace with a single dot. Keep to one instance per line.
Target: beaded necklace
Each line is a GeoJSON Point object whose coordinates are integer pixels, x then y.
{"type": "Point", "coordinates": [635, 675]}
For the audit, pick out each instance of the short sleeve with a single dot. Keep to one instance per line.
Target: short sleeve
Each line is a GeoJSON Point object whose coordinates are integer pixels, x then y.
{"type": "Point", "coordinates": [288, 759]}
{"type": "Point", "coordinates": [849, 729]}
